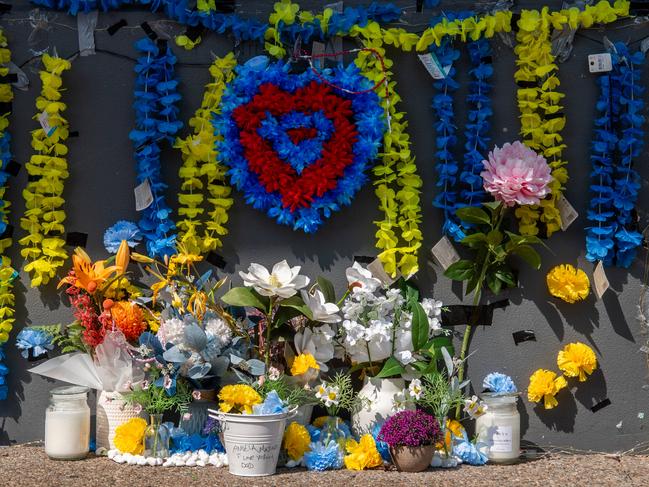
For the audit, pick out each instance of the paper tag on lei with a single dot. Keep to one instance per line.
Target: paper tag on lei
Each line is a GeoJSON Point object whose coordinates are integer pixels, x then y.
{"type": "Point", "coordinates": [600, 63]}
{"type": "Point", "coordinates": [644, 45]}
{"type": "Point", "coordinates": [378, 271]}
{"type": "Point", "coordinates": [44, 120]}
{"type": "Point", "coordinates": [433, 67]}
{"type": "Point", "coordinates": [567, 212]}
{"type": "Point", "coordinates": [337, 7]}
{"type": "Point", "coordinates": [600, 281]}
{"type": "Point", "coordinates": [143, 196]}
{"type": "Point", "coordinates": [444, 253]}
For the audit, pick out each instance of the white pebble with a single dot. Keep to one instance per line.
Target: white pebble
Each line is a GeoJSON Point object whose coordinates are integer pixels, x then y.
{"type": "Point", "coordinates": [168, 463]}
{"type": "Point", "coordinates": [101, 451]}
{"type": "Point", "coordinates": [158, 461]}
{"type": "Point", "coordinates": [203, 456]}
{"type": "Point", "coordinates": [191, 462]}
{"type": "Point", "coordinates": [112, 454]}
{"type": "Point", "coordinates": [151, 462]}
{"type": "Point", "coordinates": [119, 459]}
{"type": "Point", "coordinates": [179, 462]}
{"type": "Point", "coordinates": [131, 461]}
{"type": "Point", "coordinates": [200, 463]}
{"type": "Point", "coordinates": [140, 460]}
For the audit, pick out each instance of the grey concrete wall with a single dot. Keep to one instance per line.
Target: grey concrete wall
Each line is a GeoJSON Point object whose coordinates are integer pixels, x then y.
{"type": "Point", "coordinates": [100, 191]}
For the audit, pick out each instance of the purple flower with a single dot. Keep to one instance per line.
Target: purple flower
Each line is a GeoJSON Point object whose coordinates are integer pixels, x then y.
{"type": "Point", "coordinates": [410, 428]}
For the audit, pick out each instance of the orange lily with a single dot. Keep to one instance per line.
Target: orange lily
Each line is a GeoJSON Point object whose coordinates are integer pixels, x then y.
{"type": "Point", "coordinates": [122, 258]}
{"type": "Point", "coordinates": [87, 275]}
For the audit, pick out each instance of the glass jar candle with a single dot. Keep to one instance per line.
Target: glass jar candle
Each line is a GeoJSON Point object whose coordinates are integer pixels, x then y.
{"type": "Point", "coordinates": [67, 423]}
{"type": "Point", "coordinates": [499, 429]}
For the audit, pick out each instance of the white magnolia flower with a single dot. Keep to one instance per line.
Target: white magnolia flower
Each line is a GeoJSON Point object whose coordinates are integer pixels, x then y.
{"type": "Point", "coordinates": [317, 341]}
{"type": "Point", "coordinates": [283, 281]}
{"type": "Point", "coordinates": [356, 274]}
{"type": "Point", "coordinates": [474, 407]}
{"type": "Point", "coordinates": [322, 311]}
{"type": "Point", "coordinates": [433, 309]}
{"type": "Point", "coordinates": [405, 357]}
{"type": "Point", "coordinates": [415, 389]}
{"type": "Point", "coordinates": [329, 395]}
{"type": "Point", "coordinates": [400, 401]}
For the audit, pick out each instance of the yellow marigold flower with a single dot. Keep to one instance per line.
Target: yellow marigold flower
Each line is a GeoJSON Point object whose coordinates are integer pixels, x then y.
{"type": "Point", "coordinates": [129, 318]}
{"type": "Point", "coordinates": [544, 384]}
{"type": "Point", "coordinates": [296, 441]}
{"type": "Point", "coordinates": [362, 454]}
{"type": "Point", "coordinates": [320, 421]}
{"type": "Point", "coordinates": [568, 283]}
{"type": "Point", "coordinates": [238, 398]}
{"type": "Point", "coordinates": [129, 436]}
{"type": "Point", "coordinates": [577, 360]}
{"type": "Point", "coordinates": [303, 363]}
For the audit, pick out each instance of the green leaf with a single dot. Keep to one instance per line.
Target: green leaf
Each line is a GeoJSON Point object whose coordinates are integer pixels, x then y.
{"type": "Point", "coordinates": [494, 237]}
{"type": "Point", "coordinates": [516, 240]}
{"type": "Point", "coordinates": [436, 344]}
{"type": "Point", "coordinates": [295, 302]}
{"type": "Point", "coordinates": [391, 368]}
{"type": "Point", "coordinates": [492, 205]}
{"type": "Point", "coordinates": [506, 276]}
{"type": "Point", "coordinates": [420, 327]}
{"type": "Point", "coordinates": [474, 240]}
{"type": "Point", "coordinates": [529, 255]}
{"type": "Point", "coordinates": [473, 214]}
{"type": "Point", "coordinates": [327, 289]}
{"type": "Point", "coordinates": [461, 270]}
{"type": "Point", "coordinates": [244, 296]}
{"type": "Point", "coordinates": [495, 285]}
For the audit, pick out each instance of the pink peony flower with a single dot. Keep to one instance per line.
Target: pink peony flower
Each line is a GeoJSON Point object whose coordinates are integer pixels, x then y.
{"type": "Point", "coordinates": [515, 174]}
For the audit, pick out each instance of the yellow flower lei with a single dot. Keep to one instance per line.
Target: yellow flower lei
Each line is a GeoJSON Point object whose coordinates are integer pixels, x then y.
{"type": "Point", "coordinates": [362, 454]}
{"type": "Point", "coordinates": [577, 360]}
{"type": "Point", "coordinates": [471, 28]}
{"type": "Point", "coordinates": [200, 161]}
{"type": "Point", "coordinates": [43, 248]}
{"type": "Point", "coordinates": [539, 101]}
{"type": "Point", "coordinates": [568, 283]}
{"type": "Point", "coordinates": [397, 184]}
{"type": "Point", "coordinates": [7, 273]}
{"type": "Point", "coordinates": [544, 385]}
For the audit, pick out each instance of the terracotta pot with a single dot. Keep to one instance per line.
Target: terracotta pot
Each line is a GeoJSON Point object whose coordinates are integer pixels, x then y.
{"type": "Point", "coordinates": [412, 458]}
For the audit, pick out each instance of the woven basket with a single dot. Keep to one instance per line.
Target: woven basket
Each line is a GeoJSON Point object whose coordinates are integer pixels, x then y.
{"type": "Point", "coordinates": [112, 411]}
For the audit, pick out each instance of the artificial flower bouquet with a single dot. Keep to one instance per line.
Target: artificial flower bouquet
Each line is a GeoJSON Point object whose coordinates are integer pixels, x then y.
{"type": "Point", "coordinates": [389, 331]}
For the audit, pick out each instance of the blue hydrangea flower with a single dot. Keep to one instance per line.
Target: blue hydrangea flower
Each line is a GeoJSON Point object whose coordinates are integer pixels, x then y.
{"type": "Point", "coordinates": [122, 230]}
{"type": "Point", "coordinates": [271, 405]}
{"type": "Point", "coordinates": [498, 383]}
{"type": "Point", "coordinates": [324, 457]}
{"type": "Point", "coordinates": [468, 452]}
{"type": "Point", "coordinates": [38, 341]}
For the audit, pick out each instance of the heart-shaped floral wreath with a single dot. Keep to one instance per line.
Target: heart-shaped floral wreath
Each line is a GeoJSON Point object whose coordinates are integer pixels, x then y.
{"type": "Point", "coordinates": [296, 145]}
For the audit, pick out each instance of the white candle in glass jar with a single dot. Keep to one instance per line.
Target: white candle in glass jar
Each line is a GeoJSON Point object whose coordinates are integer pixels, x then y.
{"type": "Point", "coordinates": [67, 424]}
{"type": "Point", "coordinates": [499, 429]}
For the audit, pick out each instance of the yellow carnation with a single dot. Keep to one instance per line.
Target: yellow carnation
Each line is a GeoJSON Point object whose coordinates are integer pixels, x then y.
{"type": "Point", "coordinates": [296, 441]}
{"type": "Point", "coordinates": [544, 384]}
{"type": "Point", "coordinates": [303, 363]}
{"type": "Point", "coordinates": [362, 454]}
{"type": "Point", "coordinates": [577, 360]}
{"type": "Point", "coordinates": [129, 436]}
{"type": "Point", "coordinates": [568, 283]}
{"type": "Point", "coordinates": [238, 398]}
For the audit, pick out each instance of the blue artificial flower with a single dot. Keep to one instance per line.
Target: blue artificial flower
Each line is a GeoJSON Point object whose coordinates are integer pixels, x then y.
{"type": "Point", "coordinates": [38, 341]}
{"type": "Point", "coordinates": [122, 230]}
{"type": "Point", "coordinates": [381, 446]}
{"type": "Point", "coordinates": [498, 383]}
{"type": "Point", "coordinates": [272, 405]}
{"type": "Point", "coordinates": [323, 457]}
{"type": "Point", "coordinates": [468, 452]}
{"type": "Point", "coordinates": [4, 370]}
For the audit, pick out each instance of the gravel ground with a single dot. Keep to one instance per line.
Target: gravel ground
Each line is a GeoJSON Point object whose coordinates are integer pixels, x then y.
{"type": "Point", "coordinates": [27, 466]}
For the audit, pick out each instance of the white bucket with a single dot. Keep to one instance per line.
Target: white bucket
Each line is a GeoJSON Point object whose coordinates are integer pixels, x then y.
{"type": "Point", "coordinates": [112, 411]}
{"type": "Point", "coordinates": [303, 414]}
{"type": "Point", "coordinates": [252, 442]}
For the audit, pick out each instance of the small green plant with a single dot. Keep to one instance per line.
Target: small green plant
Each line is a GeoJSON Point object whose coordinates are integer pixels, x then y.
{"type": "Point", "coordinates": [337, 394]}
{"type": "Point", "coordinates": [68, 338]}
{"type": "Point", "coordinates": [291, 394]}
{"type": "Point", "coordinates": [156, 399]}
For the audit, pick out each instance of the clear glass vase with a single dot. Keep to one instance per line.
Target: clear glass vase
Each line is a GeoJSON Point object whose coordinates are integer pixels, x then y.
{"type": "Point", "coordinates": [156, 438]}
{"type": "Point", "coordinates": [333, 430]}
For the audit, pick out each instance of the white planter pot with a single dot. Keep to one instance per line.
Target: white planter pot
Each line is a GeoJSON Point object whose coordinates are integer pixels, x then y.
{"type": "Point", "coordinates": [376, 403]}
{"type": "Point", "coordinates": [303, 415]}
{"type": "Point", "coordinates": [252, 442]}
{"type": "Point", "coordinates": [112, 411]}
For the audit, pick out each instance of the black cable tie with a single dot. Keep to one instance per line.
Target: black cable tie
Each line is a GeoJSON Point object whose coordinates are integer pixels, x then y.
{"type": "Point", "coordinates": [8, 232]}
{"type": "Point", "coordinates": [639, 8]}
{"type": "Point", "coordinates": [149, 31]}
{"type": "Point", "coordinates": [112, 30]}
{"type": "Point", "coordinates": [552, 116]}
{"type": "Point", "coordinates": [225, 6]}
{"type": "Point", "coordinates": [76, 239]}
{"type": "Point", "coordinates": [527, 84]}
{"type": "Point", "coordinates": [514, 23]}
{"type": "Point", "coordinates": [32, 178]}
{"type": "Point", "coordinates": [524, 336]}
{"type": "Point", "coordinates": [12, 168]}
{"type": "Point", "coordinates": [162, 45]}
{"type": "Point", "coordinates": [487, 59]}
{"type": "Point", "coordinates": [74, 133]}
{"type": "Point", "coordinates": [9, 78]}
{"type": "Point", "coordinates": [193, 32]}
{"type": "Point", "coordinates": [6, 107]}
{"type": "Point", "coordinates": [462, 314]}
{"type": "Point", "coordinates": [420, 6]}
{"type": "Point", "coordinates": [601, 405]}
{"type": "Point", "coordinates": [216, 260]}
{"type": "Point", "coordinates": [364, 259]}
{"type": "Point", "coordinates": [5, 8]}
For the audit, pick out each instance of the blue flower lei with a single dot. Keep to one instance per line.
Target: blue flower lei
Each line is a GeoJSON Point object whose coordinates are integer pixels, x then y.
{"type": "Point", "coordinates": [241, 29]}
{"type": "Point", "coordinates": [613, 236]}
{"type": "Point", "coordinates": [461, 188]}
{"type": "Point", "coordinates": [156, 120]}
{"type": "Point", "coordinates": [367, 114]}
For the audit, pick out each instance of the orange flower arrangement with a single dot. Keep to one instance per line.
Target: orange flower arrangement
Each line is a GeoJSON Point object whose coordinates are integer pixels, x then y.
{"type": "Point", "coordinates": [129, 318]}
